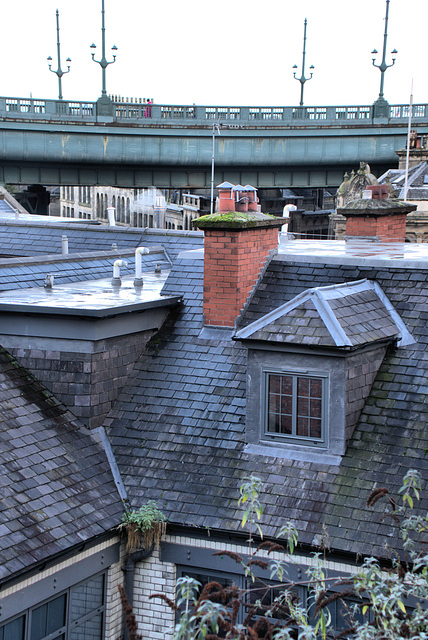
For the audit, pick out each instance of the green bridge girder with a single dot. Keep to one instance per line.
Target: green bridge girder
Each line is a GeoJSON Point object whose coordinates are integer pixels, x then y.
{"type": "Point", "coordinates": [83, 148]}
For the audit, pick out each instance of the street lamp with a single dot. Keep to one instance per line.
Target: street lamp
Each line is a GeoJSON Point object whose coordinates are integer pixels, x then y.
{"type": "Point", "coordinates": [381, 105]}
{"type": "Point", "coordinates": [216, 129]}
{"type": "Point", "coordinates": [59, 72]}
{"type": "Point", "coordinates": [103, 62]}
{"type": "Point", "coordinates": [302, 78]}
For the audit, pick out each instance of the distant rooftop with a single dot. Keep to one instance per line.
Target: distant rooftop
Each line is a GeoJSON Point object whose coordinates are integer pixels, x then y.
{"type": "Point", "coordinates": [409, 254]}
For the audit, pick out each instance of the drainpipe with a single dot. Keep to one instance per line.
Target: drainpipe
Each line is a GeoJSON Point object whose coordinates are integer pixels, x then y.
{"type": "Point", "coordinates": [139, 251]}
{"type": "Point", "coordinates": [116, 271]}
{"type": "Point", "coordinates": [128, 569]}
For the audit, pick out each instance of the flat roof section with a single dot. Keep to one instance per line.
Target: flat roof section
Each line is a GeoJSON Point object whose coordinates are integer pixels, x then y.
{"type": "Point", "coordinates": [93, 298]}
{"type": "Point", "coordinates": [355, 252]}
{"type": "Point", "coordinates": [83, 312]}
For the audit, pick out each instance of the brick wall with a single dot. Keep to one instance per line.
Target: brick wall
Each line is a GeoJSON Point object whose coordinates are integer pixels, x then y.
{"type": "Point", "coordinates": [390, 228]}
{"type": "Point", "coordinates": [154, 618]}
{"type": "Point", "coordinates": [114, 611]}
{"type": "Point", "coordinates": [233, 263]}
{"type": "Point", "coordinates": [86, 382]}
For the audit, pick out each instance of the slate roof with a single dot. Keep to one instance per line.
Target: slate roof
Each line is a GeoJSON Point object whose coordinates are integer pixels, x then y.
{"type": "Point", "coordinates": [346, 315]}
{"type": "Point", "coordinates": [40, 237]}
{"type": "Point", "coordinates": [416, 183]}
{"type": "Point", "coordinates": [178, 431]}
{"type": "Point", "coordinates": [6, 208]}
{"type": "Point", "coordinates": [19, 273]}
{"type": "Point", "coordinates": [56, 488]}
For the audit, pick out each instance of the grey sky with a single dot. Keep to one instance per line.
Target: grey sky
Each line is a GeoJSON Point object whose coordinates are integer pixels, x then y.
{"type": "Point", "coordinates": [222, 52]}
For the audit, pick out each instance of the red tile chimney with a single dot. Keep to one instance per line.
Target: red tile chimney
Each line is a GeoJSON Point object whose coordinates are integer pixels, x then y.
{"type": "Point", "coordinates": [236, 248]}
{"type": "Point", "coordinates": [380, 220]}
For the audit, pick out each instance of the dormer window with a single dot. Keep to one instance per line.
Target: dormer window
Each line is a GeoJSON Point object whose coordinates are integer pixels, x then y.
{"type": "Point", "coordinates": [295, 407]}
{"type": "Point", "coordinates": [311, 365]}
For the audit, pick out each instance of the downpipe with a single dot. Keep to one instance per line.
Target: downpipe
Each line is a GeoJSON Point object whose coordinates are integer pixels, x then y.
{"type": "Point", "coordinates": [128, 569]}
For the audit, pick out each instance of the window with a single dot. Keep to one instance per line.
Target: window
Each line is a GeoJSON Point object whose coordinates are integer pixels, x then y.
{"type": "Point", "coordinates": [295, 406]}
{"type": "Point", "coordinates": [77, 613]}
{"type": "Point", "coordinates": [13, 630]}
{"type": "Point", "coordinates": [262, 595]}
{"type": "Point", "coordinates": [205, 576]}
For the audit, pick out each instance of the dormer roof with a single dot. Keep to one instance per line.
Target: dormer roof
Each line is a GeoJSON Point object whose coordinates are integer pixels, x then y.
{"type": "Point", "coordinates": [225, 185]}
{"type": "Point", "coordinates": [348, 315]}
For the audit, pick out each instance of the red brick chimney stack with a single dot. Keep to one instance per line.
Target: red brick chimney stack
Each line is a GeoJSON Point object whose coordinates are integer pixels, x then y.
{"type": "Point", "coordinates": [376, 218]}
{"type": "Point", "coordinates": [237, 246]}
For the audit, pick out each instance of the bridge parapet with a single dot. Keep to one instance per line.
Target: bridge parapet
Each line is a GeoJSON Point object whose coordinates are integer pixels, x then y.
{"type": "Point", "coordinates": [148, 114]}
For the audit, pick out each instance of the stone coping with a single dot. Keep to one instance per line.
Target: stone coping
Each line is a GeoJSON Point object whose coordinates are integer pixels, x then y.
{"type": "Point", "coordinates": [235, 220]}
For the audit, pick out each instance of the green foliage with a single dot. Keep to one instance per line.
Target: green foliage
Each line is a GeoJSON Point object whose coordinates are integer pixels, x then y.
{"type": "Point", "coordinates": [145, 517]}
{"type": "Point", "coordinates": [381, 595]}
{"type": "Point", "coordinates": [145, 525]}
{"type": "Point", "coordinates": [250, 493]}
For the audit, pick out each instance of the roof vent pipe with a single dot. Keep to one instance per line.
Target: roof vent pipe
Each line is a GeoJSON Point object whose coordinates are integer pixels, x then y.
{"type": "Point", "coordinates": [139, 251]}
{"type": "Point", "coordinates": [49, 280]}
{"type": "Point", "coordinates": [64, 245]}
{"type": "Point", "coordinates": [116, 280]}
{"type": "Point", "coordinates": [111, 216]}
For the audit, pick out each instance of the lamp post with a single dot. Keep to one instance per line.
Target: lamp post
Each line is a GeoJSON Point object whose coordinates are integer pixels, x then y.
{"type": "Point", "coordinates": [103, 62]}
{"type": "Point", "coordinates": [216, 129]}
{"type": "Point", "coordinates": [302, 78]}
{"type": "Point", "coordinates": [381, 106]}
{"type": "Point", "coordinates": [59, 72]}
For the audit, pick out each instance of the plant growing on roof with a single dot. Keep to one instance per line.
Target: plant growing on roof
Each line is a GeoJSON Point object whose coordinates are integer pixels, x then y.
{"type": "Point", "coordinates": [144, 526]}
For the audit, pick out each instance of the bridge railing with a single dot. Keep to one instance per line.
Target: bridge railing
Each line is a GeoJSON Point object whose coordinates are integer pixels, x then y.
{"type": "Point", "coordinates": [17, 107]}
{"type": "Point", "coordinates": [176, 115]}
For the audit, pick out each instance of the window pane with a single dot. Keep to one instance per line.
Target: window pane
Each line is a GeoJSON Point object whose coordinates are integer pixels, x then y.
{"type": "Point", "coordinates": [274, 403]}
{"type": "Point", "coordinates": [48, 618]}
{"type": "Point", "coordinates": [89, 630]}
{"type": "Point", "coordinates": [274, 384]}
{"type": "Point", "coordinates": [316, 388]}
{"type": "Point", "coordinates": [86, 597]}
{"type": "Point", "coordinates": [302, 386]}
{"type": "Point", "coordinates": [287, 385]}
{"type": "Point", "coordinates": [315, 411]}
{"type": "Point", "coordinates": [302, 407]}
{"type": "Point", "coordinates": [302, 426]}
{"type": "Point", "coordinates": [315, 428]}
{"type": "Point", "coordinates": [286, 424]}
{"type": "Point", "coordinates": [13, 630]}
{"type": "Point", "coordinates": [274, 422]}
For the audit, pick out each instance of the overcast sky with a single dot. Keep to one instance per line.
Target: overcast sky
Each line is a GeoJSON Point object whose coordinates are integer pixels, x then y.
{"type": "Point", "coordinates": [223, 52]}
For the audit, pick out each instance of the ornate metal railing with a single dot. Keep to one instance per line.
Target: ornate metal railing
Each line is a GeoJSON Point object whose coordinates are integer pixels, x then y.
{"type": "Point", "coordinates": [143, 113]}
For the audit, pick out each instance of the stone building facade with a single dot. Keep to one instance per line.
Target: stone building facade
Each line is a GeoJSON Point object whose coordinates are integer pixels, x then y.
{"type": "Point", "coordinates": [144, 208]}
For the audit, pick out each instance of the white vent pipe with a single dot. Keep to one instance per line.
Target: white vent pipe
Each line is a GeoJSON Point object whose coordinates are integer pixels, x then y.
{"type": "Point", "coordinates": [139, 251]}
{"type": "Point", "coordinates": [49, 281]}
{"type": "Point", "coordinates": [116, 280]}
{"type": "Point", "coordinates": [111, 216]}
{"type": "Point", "coordinates": [64, 245]}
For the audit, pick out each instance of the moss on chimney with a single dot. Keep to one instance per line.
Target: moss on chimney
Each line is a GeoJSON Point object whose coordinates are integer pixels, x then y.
{"type": "Point", "coordinates": [237, 220]}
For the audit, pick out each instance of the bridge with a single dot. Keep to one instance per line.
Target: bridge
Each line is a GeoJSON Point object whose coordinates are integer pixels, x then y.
{"type": "Point", "coordinates": [135, 144]}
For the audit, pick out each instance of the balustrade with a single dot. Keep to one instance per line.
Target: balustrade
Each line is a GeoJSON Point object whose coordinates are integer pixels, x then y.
{"type": "Point", "coordinates": [147, 112]}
